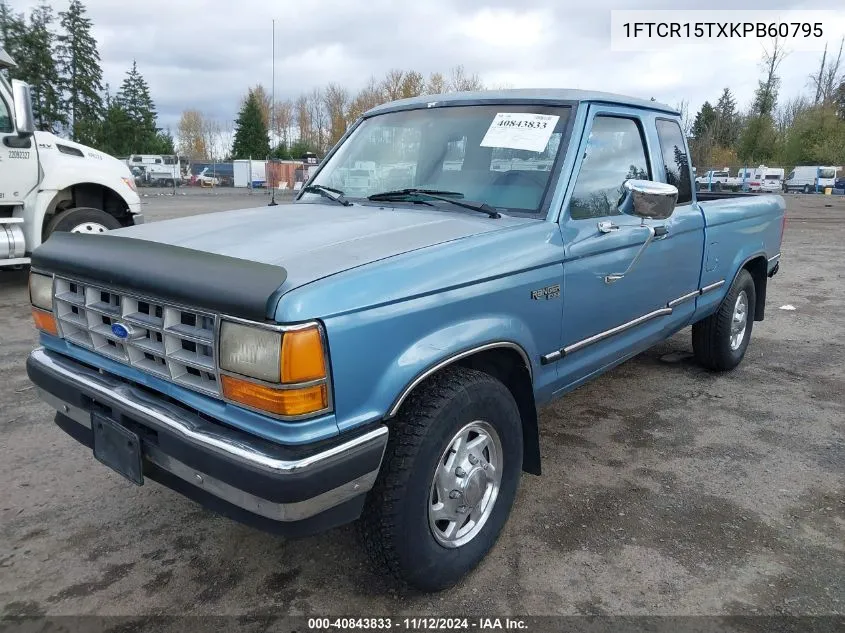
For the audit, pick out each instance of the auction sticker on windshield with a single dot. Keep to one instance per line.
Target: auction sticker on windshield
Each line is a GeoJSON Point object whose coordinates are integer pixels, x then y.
{"type": "Point", "coordinates": [520, 130]}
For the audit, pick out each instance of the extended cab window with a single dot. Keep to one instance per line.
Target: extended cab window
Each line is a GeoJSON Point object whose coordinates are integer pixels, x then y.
{"type": "Point", "coordinates": [675, 158]}
{"type": "Point", "coordinates": [615, 153]}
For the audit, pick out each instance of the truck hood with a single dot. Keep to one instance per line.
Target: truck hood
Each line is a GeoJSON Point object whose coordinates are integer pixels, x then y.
{"type": "Point", "coordinates": [59, 153]}
{"type": "Point", "coordinates": [311, 241]}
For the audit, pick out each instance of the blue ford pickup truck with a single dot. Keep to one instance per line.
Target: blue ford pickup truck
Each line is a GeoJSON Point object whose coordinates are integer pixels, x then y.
{"type": "Point", "coordinates": [378, 351]}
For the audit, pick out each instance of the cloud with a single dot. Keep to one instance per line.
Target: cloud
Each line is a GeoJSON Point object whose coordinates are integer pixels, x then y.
{"type": "Point", "coordinates": [205, 54]}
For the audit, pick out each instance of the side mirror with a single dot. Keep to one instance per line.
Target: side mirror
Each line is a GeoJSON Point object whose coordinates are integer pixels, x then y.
{"type": "Point", "coordinates": [649, 199]}
{"type": "Point", "coordinates": [24, 120]}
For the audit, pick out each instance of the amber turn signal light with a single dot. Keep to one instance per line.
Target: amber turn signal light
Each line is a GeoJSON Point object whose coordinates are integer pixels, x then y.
{"type": "Point", "coordinates": [287, 402]}
{"type": "Point", "coordinates": [45, 321]}
{"type": "Point", "coordinates": [303, 358]}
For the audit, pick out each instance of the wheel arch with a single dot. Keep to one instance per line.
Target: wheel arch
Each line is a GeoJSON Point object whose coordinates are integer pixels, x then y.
{"type": "Point", "coordinates": [87, 194]}
{"type": "Point", "coordinates": [757, 266]}
{"type": "Point", "coordinates": [509, 363]}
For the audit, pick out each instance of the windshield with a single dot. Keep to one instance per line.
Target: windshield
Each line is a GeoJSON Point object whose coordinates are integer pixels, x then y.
{"type": "Point", "coordinates": [827, 172]}
{"type": "Point", "coordinates": [499, 154]}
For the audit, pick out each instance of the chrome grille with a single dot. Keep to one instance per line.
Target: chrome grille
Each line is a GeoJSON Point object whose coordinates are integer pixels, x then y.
{"type": "Point", "coordinates": [167, 341]}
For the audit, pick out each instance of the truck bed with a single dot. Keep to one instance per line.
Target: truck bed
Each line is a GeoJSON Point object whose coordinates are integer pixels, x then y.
{"type": "Point", "coordinates": [705, 196]}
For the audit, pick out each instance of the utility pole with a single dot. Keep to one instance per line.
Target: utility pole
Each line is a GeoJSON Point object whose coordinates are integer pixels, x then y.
{"type": "Point", "coordinates": [273, 186]}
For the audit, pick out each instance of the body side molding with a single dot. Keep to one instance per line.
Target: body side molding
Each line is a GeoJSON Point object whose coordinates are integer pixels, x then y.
{"type": "Point", "coordinates": [556, 355]}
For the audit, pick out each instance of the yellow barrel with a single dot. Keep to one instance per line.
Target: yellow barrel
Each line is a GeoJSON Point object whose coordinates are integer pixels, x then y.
{"type": "Point", "coordinates": [828, 191]}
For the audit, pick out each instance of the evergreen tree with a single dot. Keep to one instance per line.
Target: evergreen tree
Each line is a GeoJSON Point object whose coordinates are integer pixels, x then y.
{"type": "Point", "coordinates": [251, 138]}
{"type": "Point", "coordinates": [839, 100]}
{"type": "Point", "coordinates": [79, 65]}
{"type": "Point", "coordinates": [37, 67]}
{"type": "Point", "coordinates": [704, 122]}
{"type": "Point", "coordinates": [114, 132]}
{"type": "Point", "coordinates": [134, 99]}
{"type": "Point", "coordinates": [727, 120]}
{"type": "Point", "coordinates": [12, 30]}
{"type": "Point", "coordinates": [758, 142]}
{"type": "Point", "coordinates": [163, 143]}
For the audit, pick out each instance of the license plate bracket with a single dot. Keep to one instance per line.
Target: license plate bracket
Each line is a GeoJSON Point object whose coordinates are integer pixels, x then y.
{"type": "Point", "coordinates": [118, 448]}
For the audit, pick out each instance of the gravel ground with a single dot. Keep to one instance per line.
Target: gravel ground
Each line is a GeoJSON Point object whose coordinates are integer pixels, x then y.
{"type": "Point", "coordinates": [667, 489]}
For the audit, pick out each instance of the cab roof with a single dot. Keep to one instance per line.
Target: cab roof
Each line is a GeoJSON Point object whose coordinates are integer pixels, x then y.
{"type": "Point", "coordinates": [525, 95]}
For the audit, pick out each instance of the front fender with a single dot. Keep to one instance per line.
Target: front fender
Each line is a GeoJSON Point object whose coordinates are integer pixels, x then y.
{"type": "Point", "coordinates": [380, 355]}
{"type": "Point", "coordinates": [426, 356]}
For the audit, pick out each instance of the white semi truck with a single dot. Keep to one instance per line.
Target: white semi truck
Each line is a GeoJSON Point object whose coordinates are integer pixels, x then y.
{"type": "Point", "coordinates": [50, 184]}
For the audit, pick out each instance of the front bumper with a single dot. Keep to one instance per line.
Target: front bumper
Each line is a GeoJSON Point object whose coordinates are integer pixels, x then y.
{"type": "Point", "coordinates": [285, 489]}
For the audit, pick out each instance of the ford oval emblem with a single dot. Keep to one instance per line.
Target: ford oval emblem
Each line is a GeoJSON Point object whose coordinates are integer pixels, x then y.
{"type": "Point", "coordinates": [121, 331]}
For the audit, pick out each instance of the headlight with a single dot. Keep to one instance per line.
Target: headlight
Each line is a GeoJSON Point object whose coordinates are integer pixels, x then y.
{"type": "Point", "coordinates": [250, 351]}
{"type": "Point", "coordinates": [130, 182]}
{"type": "Point", "coordinates": [283, 372]}
{"type": "Point", "coordinates": [41, 297]}
{"type": "Point", "coordinates": [41, 291]}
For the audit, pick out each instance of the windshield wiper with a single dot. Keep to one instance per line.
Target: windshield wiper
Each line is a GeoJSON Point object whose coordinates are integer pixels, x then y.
{"type": "Point", "coordinates": [335, 195]}
{"type": "Point", "coordinates": [434, 194]}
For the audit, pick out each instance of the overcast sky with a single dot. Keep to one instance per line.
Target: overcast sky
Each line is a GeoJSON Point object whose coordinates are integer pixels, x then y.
{"type": "Point", "coordinates": [204, 54]}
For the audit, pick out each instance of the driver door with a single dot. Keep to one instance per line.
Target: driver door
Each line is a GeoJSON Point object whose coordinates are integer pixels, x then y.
{"type": "Point", "coordinates": [604, 321]}
{"type": "Point", "coordinates": [18, 159]}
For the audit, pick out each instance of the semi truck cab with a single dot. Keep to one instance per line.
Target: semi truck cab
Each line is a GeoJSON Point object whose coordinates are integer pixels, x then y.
{"type": "Point", "coordinates": [50, 184]}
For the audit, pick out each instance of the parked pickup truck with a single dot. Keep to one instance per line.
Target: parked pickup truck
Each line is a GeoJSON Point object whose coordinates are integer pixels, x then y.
{"type": "Point", "coordinates": [721, 180]}
{"type": "Point", "coordinates": [382, 355]}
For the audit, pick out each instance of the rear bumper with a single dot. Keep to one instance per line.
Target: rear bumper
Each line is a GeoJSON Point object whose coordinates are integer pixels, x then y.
{"type": "Point", "coordinates": [290, 490]}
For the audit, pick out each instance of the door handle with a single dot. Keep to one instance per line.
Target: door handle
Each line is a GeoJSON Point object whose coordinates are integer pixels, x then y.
{"type": "Point", "coordinates": [607, 226]}
{"type": "Point", "coordinates": [661, 232]}
{"type": "Point", "coordinates": [652, 231]}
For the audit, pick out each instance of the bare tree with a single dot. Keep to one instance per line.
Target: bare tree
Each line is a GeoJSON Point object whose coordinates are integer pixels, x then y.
{"type": "Point", "coordinates": [686, 120]}
{"type": "Point", "coordinates": [283, 121]}
{"type": "Point", "coordinates": [318, 118]}
{"type": "Point", "coordinates": [391, 85]}
{"type": "Point", "coordinates": [436, 84]}
{"type": "Point", "coordinates": [212, 132]}
{"type": "Point", "coordinates": [303, 119]}
{"type": "Point", "coordinates": [369, 97]}
{"type": "Point", "coordinates": [767, 90]}
{"type": "Point", "coordinates": [459, 81]}
{"type": "Point", "coordinates": [263, 101]}
{"type": "Point", "coordinates": [192, 142]}
{"type": "Point", "coordinates": [413, 84]}
{"type": "Point", "coordinates": [832, 77]}
{"type": "Point", "coordinates": [336, 100]}
{"type": "Point", "coordinates": [818, 79]}
{"type": "Point", "coordinates": [786, 113]}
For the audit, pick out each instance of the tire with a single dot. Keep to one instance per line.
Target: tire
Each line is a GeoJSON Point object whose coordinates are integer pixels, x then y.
{"type": "Point", "coordinates": [82, 220]}
{"type": "Point", "coordinates": [716, 345]}
{"type": "Point", "coordinates": [806, 188]}
{"type": "Point", "coordinates": [717, 186]}
{"type": "Point", "coordinates": [398, 525]}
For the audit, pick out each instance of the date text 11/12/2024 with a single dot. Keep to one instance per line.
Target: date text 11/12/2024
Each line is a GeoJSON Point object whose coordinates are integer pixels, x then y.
{"type": "Point", "coordinates": [429, 623]}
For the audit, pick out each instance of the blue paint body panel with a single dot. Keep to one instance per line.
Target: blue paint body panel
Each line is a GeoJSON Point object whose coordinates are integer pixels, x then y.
{"type": "Point", "coordinates": [401, 290]}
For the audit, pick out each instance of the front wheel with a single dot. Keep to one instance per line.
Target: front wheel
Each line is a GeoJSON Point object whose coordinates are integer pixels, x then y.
{"type": "Point", "coordinates": [719, 341]}
{"type": "Point", "coordinates": [82, 220]}
{"type": "Point", "coordinates": [447, 481]}
{"type": "Point", "coordinates": [806, 188]}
